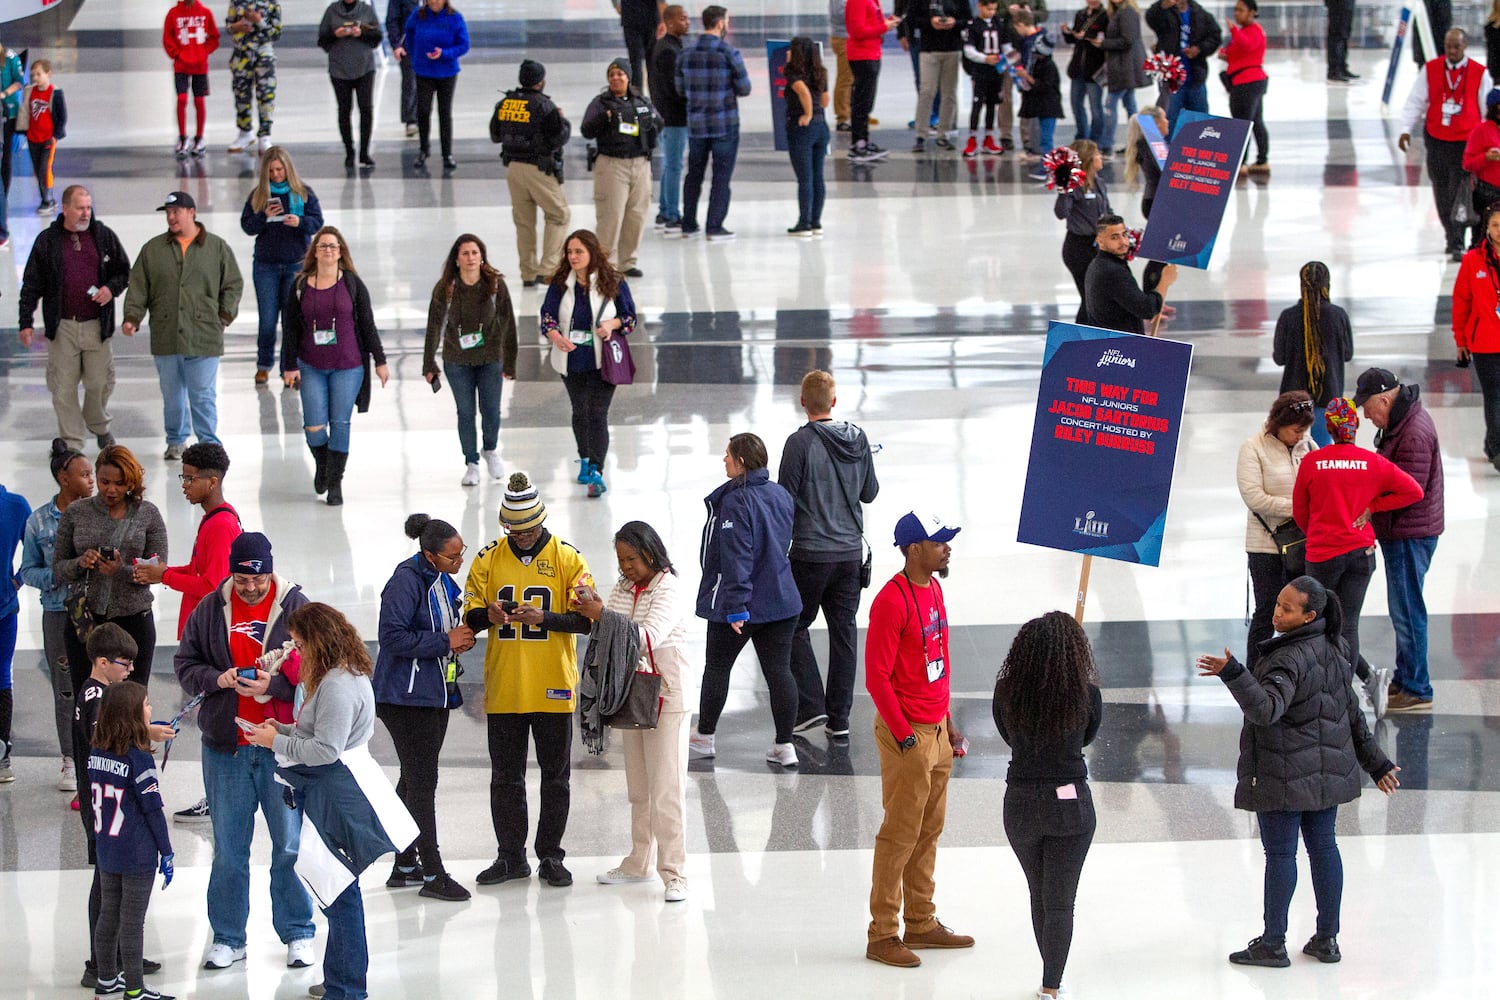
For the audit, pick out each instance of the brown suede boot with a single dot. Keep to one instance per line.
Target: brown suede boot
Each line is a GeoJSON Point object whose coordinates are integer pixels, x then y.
{"type": "Point", "coordinates": [938, 937]}
{"type": "Point", "coordinates": [892, 952]}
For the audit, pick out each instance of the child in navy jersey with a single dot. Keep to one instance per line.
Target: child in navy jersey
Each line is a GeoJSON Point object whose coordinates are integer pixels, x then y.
{"type": "Point", "coordinates": [130, 834]}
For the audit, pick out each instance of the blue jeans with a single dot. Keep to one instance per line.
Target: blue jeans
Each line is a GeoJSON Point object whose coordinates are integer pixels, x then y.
{"type": "Point", "coordinates": [807, 147]}
{"type": "Point", "coordinates": [1087, 94]}
{"type": "Point", "coordinates": [328, 405]}
{"type": "Point", "coordinates": [189, 387]}
{"type": "Point", "coordinates": [346, 960]}
{"type": "Point", "coordinates": [467, 383]}
{"type": "Point", "coordinates": [272, 283]}
{"type": "Point", "coordinates": [1046, 131]}
{"type": "Point", "coordinates": [1189, 97]}
{"type": "Point", "coordinates": [237, 785]}
{"type": "Point", "coordinates": [673, 146]}
{"type": "Point", "coordinates": [1278, 835]}
{"type": "Point", "coordinates": [1320, 433]}
{"type": "Point", "coordinates": [1106, 138]}
{"type": "Point", "coordinates": [724, 149]}
{"type": "Point", "coordinates": [1406, 562]}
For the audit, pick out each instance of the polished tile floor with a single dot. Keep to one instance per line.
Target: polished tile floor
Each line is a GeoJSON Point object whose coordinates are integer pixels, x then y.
{"type": "Point", "coordinates": [928, 297]}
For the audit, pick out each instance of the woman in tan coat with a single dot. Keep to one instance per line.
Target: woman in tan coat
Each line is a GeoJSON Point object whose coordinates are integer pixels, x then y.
{"type": "Point", "coordinates": [651, 595]}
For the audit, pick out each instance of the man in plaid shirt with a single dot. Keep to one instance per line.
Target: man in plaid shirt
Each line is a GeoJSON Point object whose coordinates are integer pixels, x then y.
{"type": "Point", "coordinates": [711, 76]}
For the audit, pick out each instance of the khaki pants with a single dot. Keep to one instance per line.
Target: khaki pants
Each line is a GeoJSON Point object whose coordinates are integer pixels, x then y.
{"type": "Point", "coordinates": [844, 82]}
{"type": "Point", "coordinates": [622, 197]}
{"type": "Point", "coordinates": [939, 75]}
{"type": "Point", "coordinates": [914, 792]}
{"type": "Point", "coordinates": [1005, 111]}
{"type": "Point", "coordinates": [656, 777]}
{"type": "Point", "coordinates": [79, 355]}
{"type": "Point", "coordinates": [530, 189]}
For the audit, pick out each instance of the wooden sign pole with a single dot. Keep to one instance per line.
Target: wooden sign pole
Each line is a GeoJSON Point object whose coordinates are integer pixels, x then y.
{"type": "Point", "coordinates": [1083, 588]}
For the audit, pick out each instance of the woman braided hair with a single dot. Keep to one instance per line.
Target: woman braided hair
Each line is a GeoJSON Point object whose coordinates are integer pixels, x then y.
{"type": "Point", "coordinates": [1314, 276]}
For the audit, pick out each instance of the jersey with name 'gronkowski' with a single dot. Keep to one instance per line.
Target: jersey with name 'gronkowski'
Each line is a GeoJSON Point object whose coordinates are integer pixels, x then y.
{"type": "Point", "coordinates": [130, 826]}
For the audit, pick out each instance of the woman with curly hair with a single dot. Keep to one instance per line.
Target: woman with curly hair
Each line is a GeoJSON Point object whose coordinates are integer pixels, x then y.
{"type": "Point", "coordinates": [1047, 707]}
{"type": "Point", "coordinates": [1313, 342]}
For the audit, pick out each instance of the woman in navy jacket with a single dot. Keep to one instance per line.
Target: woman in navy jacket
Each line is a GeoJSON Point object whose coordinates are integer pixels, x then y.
{"type": "Point", "coordinates": [436, 37]}
{"type": "Point", "coordinates": [416, 684]}
{"type": "Point", "coordinates": [747, 593]}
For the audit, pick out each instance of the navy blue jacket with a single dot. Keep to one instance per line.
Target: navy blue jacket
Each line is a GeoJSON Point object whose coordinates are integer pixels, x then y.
{"type": "Point", "coordinates": [278, 243]}
{"type": "Point", "coordinates": [746, 573]}
{"type": "Point", "coordinates": [409, 669]}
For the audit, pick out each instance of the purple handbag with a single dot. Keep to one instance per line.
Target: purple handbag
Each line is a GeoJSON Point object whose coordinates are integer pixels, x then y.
{"type": "Point", "coordinates": [615, 363]}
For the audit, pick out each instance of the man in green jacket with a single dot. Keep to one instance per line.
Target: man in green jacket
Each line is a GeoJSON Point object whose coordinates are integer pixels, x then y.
{"type": "Point", "coordinates": [187, 279]}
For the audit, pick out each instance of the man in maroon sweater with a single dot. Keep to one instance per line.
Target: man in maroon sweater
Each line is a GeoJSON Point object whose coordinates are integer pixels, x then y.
{"type": "Point", "coordinates": [1408, 537]}
{"type": "Point", "coordinates": [906, 673]}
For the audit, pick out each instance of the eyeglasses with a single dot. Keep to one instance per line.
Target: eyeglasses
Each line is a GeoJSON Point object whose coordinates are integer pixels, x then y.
{"type": "Point", "coordinates": [127, 664]}
{"type": "Point", "coordinates": [327, 246]}
{"type": "Point", "coordinates": [186, 479]}
{"type": "Point", "coordinates": [453, 559]}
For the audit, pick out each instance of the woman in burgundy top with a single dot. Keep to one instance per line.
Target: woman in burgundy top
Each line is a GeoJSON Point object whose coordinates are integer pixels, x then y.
{"type": "Point", "coordinates": [1245, 77]}
{"type": "Point", "coordinates": [329, 339]}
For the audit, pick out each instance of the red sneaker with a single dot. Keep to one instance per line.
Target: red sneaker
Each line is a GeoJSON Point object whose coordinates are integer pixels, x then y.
{"type": "Point", "coordinates": [972, 149]}
{"type": "Point", "coordinates": [74, 804]}
{"type": "Point", "coordinates": [990, 147]}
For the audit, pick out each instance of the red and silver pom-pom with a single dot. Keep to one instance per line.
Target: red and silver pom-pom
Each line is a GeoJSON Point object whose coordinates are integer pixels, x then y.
{"type": "Point", "coordinates": [1064, 157]}
{"type": "Point", "coordinates": [1135, 243]}
{"type": "Point", "coordinates": [1166, 68]}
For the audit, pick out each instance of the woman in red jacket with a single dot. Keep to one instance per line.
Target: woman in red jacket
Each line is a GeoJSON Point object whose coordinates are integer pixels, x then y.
{"type": "Point", "coordinates": [866, 25]}
{"type": "Point", "coordinates": [1245, 77]}
{"type": "Point", "coordinates": [1482, 155]}
{"type": "Point", "coordinates": [1476, 325]}
{"type": "Point", "coordinates": [1337, 489]}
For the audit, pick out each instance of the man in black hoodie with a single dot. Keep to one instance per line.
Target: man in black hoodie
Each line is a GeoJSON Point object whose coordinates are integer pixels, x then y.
{"type": "Point", "coordinates": [1111, 298]}
{"type": "Point", "coordinates": [827, 467]}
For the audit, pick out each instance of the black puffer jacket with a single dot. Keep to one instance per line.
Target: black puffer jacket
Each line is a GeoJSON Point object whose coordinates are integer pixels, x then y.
{"type": "Point", "coordinates": [1305, 740]}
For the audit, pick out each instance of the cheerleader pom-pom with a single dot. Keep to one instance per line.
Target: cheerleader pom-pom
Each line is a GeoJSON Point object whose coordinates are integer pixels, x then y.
{"type": "Point", "coordinates": [1167, 69]}
{"type": "Point", "coordinates": [1134, 236]}
{"type": "Point", "coordinates": [1062, 165]}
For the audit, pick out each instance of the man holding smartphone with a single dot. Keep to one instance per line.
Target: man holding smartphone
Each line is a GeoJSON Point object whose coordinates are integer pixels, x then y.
{"type": "Point", "coordinates": [220, 657]}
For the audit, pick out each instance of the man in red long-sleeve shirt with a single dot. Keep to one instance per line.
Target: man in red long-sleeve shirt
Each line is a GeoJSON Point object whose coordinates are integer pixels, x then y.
{"type": "Point", "coordinates": [906, 673]}
{"type": "Point", "coordinates": [203, 469]}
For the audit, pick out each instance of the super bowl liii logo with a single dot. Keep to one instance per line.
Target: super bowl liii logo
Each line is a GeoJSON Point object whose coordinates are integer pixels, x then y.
{"type": "Point", "coordinates": [1086, 525]}
{"type": "Point", "coordinates": [1177, 244]}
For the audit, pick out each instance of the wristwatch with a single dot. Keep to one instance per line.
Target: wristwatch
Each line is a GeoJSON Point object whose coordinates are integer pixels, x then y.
{"type": "Point", "coordinates": [909, 742]}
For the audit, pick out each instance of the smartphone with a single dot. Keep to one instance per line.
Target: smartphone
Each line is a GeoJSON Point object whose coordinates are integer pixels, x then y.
{"type": "Point", "coordinates": [273, 206]}
{"type": "Point", "coordinates": [245, 673]}
{"type": "Point", "coordinates": [245, 724]}
{"type": "Point", "coordinates": [437, 382]}
{"type": "Point", "coordinates": [509, 606]}
{"type": "Point", "coordinates": [108, 552]}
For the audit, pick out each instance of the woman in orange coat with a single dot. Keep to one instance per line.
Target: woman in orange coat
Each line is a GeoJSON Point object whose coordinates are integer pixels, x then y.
{"type": "Point", "coordinates": [1476, 326]}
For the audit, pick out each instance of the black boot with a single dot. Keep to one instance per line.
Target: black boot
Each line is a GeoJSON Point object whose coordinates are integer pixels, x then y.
{"type": "Point", "coordinates": [336, 462]}
{"type": "Point", "coordinates": [320, 467]}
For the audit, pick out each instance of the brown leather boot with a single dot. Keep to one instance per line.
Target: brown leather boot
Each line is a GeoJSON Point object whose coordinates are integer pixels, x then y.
{"type": "Point", "coordinates": [892, 952]}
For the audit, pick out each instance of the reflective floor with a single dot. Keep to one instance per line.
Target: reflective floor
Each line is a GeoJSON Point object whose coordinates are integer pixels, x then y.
{"type": "Point", "coordinates": [928, 298]}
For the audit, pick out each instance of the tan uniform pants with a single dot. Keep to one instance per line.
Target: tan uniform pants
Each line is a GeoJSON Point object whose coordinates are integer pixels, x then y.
{"type": "Point", "coordinates": [844, 83]}
{"type": "Point", "coordinates": [530, 189]}
{"type": "Point", "coordinates": [622, 197]}
{"type": "Point", "coordinates": [656, 780]}
{"type": "Point", "coordinates": [914, 792]}
{"type": "Point", "coordinates": [79, 355]}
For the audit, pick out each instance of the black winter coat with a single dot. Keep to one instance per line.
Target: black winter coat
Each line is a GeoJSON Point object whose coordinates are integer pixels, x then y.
{"type": "Point", "coordinates": [1410, 441]}
{"type": "Point", "coordinates": [43, 278]}
{"type": "Point", "coordinates": [1203, 33]}
{"type": "Point", "coordinates": [1304, 740]}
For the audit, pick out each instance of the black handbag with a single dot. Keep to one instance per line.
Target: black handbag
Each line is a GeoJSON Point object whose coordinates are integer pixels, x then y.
{"type": "Point", "coordinates": [643, 701]}
{"type": "Point", "coordinates": [1291, 542]}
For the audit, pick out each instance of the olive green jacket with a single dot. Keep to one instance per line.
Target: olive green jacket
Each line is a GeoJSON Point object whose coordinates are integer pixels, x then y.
{"type": "Point", "coordinates": [191, 297]}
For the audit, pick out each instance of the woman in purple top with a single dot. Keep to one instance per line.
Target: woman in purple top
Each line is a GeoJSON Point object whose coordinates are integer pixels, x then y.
{"type": "Point", "coordinates": [329, 339]}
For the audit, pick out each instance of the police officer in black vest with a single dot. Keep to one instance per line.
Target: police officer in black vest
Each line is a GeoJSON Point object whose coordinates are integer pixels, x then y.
{"type": "Point", "coordinates": [532, 133]}
{"type": "Point", "coordinates": [625, 126]}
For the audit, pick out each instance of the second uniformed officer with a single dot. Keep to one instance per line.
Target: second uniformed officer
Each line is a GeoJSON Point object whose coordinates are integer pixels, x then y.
{"type": "Point", "coordinates": [625, 126]}
{"type": "Point", "coordinates": [532, 133]}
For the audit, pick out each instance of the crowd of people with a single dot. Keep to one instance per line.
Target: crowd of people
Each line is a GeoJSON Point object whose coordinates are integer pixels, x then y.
{"type": "Point", "coordinates": [287, 683]}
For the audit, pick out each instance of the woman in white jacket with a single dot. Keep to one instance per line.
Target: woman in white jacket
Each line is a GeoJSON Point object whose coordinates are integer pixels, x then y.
{"type": "Point", "coordinates": [1267, 471]}
{"type": "Point", "coordinates": [587, 304]}
{"type": "Point", "coordinates": [651, 595]}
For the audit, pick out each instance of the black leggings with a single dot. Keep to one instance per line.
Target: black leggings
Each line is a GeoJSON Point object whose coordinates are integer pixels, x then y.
{"type": "Point", "coordinates": [1348, 576]}
{"type": "Point", "coordinates": [418, 734]}
{"type": "Point", "coordinates": [988, 87]}
{"type": "Point", "coordinates": [346, 91]}
{"type": "Point", "coordinates": [442, 86]}
{"type": "Point", "coordinates": [1246, 101]}
{"type": "Point", "coordinates": [590, 396]}
{"type": "Point", "coordinates": [866, 74]}
{"type": "Point", "coordinates": [142, 628]}
{"type": "Point", "coordinates": [773, 647]}
{"type": "Point", "coordinates": [1051, 838]}
{"type": "Point", "coordinates": [1077, 254]}
{"type": "Point", "coordinates": [1267, 577]}
{"type": "Point", "coordinates": [122, 926]}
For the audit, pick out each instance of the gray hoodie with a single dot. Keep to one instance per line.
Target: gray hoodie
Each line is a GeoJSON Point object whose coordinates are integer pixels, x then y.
{"type": "Point", "coordinates": [828, 469]}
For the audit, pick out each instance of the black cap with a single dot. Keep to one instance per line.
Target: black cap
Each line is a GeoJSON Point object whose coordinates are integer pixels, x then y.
{"type": "Point", "coordinates": [177, 199]}
{"type": "Point", "coordinates": [532, 73]}
{"type": "Point", "coordinates": [1373, 382]}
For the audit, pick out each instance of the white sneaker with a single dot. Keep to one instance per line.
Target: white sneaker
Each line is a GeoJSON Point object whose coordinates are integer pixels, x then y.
{"type": "Point", "coordinates": [299, 954]}
{"type": "Point", "coordinates": [700, 745]}
{"type": "Point", "coordinates": [619, 876]}
{"type": "Point", "coordinates": [782, 753]}
{"type": "Point", "coordinates": [411, 131]}
{"type": "Point", "coordinates": [67, 779]}
{"type": "Point", "coordinates": [200, 146]}
{"type": "Point", "coordinates": [262, 144]}
{"type": "Point", "coordinates": [677, 890]}
{"type": "Point", "coordinates": [241, 141]}
{"type": "Point", "coordinates": [221, 956]}
{"type": "Point", "coordinates": [471, 475]}
{"type": "Point", "coordinates": [492, 460]}
{"type": "Point", "coordinates": [1378, 689]}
